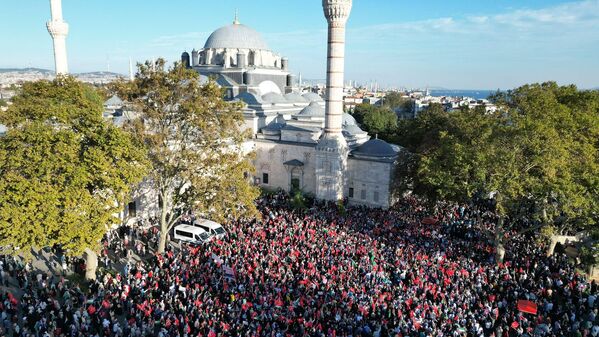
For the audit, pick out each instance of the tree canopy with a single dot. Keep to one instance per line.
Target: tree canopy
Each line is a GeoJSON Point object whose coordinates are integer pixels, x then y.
{"type": "Point", "coordinates": [64, 171]}
{"type": "Point", "coordinates": [376, 120]}
{"type": "Point", "coordinates": [195, 143]}
{"type": "Point", "coordinates": [395, 101]}
{"type": "Point", "coordinates": [539, 149]}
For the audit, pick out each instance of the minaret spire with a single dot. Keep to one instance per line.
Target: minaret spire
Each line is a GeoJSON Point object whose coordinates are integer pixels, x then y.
{"type": "Point", "coordinates": [236, 21]}
{"type": "Point", "coordinates": [59, 30]}
{"type": "Point", "coordinates": [131, 75]}
{"type": "Point", "coordinates": [336, 13]}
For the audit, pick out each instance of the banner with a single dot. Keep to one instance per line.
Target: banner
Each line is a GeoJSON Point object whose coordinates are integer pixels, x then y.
{"type": "Point", "coordinates": [430, 221]}
{"type": "Point", "coordinates": [527, 307]}
{"type": "Point", "coordinates": [229, 272]}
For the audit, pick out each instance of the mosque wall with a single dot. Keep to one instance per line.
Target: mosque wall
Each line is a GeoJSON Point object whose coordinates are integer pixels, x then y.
{"type": "Point", "coordinates": [270, 157]}
{"type": "Point", "coordinates": [369, 181]}
{"type": "Point", "coordinates": [256, 79]}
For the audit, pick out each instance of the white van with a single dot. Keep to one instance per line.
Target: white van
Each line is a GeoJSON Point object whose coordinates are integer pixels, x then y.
{"type": "Point", "coordinates": [191, 234]}
{"type": "Point", "coordinates": [213, 228]}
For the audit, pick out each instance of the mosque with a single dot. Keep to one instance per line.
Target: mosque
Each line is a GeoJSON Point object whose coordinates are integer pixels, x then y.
{"type": "Point", "coordinates": [302, 141]}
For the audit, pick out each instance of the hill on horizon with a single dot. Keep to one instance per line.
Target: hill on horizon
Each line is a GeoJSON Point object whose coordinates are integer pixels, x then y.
{"type": "Point", "coordinates": [10, 70]}
{"type": "Point", "coordinates": [51, 72]}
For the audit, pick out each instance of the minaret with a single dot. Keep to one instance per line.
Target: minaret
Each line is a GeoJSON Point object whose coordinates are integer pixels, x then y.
{"type": "Point", "coordinates": [332, 150]}
{"type": "Point", "coordinates": [131, 74]}
{"type": "Point", "coordinates": [59, 30]}
{"type": "Point", "coordinates": [236, 21]}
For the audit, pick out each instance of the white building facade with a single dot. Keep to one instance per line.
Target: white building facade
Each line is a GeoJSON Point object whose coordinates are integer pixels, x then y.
{"type": "Point", "coordinates": [302, 141]}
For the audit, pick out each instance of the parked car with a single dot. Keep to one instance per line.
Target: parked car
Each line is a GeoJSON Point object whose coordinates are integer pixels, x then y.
{"type": "Point", "coordinates": [213, 229]}
{"type": "Point", "coordinates": [191, 234]}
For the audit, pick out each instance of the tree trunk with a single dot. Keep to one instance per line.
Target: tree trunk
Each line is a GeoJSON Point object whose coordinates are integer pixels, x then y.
{"type": "Point", "coordinates": [91, 264]}
{"type": "Point", "coordinates": [552, 244]}
{"type": "Point", "coordinates": [499, 238]}
{"type": "Point", "coordinates": [163, 231]}
{"type": "Point", "coordinates": [499, 252]}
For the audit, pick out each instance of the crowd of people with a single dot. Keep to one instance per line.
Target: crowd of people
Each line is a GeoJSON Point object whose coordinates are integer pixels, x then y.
{"type": "Point", "coordinates": [319, 272]}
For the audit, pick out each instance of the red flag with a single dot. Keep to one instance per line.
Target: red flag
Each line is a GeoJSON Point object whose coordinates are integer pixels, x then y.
{"type": "Point", "coordinates": [527, 307]}
{"type": "Point", "coordinates": [515, 325]}
{"type": "Point", "coordinates": [12, 299]}
{"type": "Point", "coordinates": [91, 310]}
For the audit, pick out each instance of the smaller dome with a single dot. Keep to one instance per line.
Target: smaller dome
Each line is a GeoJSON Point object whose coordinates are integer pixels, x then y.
{"type": "Point", "coordinates": [114, 101]}
{"type": "Point", "coordinates": [274, 126]}
{"type": "Point", "coordinates": [249, 98]}
{"type": "Point", "coordinates": [312, 110]}
{"type": "Point", "coordinates": [204, 79]}
{"type": "Point", "coordinates": [274, 98]}
{"type": "Point", "coordinates": [293, 97]}
{"type": "Point", "coordinates": [312, 97]}
{"type": "Point", "coordinates": [376, 148]}
{"type": "Point", "coordinates": [353, 129]}
{"type": "Point", "coordinates": [349, 119]}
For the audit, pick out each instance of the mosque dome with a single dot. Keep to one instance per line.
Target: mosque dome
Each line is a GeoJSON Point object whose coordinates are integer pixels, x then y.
{"type": "Point", "coordinates": [312, 110]}
{"type": "Point", "coordinates": [376, 148]}
{"type": "Point", "coordinates": [312, 97]}
{"type": "Point", "coordinates": [348, 119]}
{"type": "Point", "coordinates": [273, 97]}
{"type": "Point", "coordinates": [295, 98]}
{"type": "Point", "coordinates": [236, 36]}
{"type": "Point", "coordinates": [353, 129]}
{"type": "Point", "coordinates": [250, 98]}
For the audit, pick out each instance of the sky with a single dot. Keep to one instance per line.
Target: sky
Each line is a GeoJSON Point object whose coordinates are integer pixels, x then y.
{"type": "Point", "coordinates": [455, 44]}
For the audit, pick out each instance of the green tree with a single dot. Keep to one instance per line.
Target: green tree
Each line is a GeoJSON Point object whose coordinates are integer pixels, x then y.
{"type": "Point", "coordinates": [558, 132]}
{"type": "Point", "coordinates": [395, 101]}
{"type": "Point", "coordinates": [3, 103]}
{"type": "Point", "coordinates": [195, 144]}
{"type": "Point", "coordinates": [376, 120]}
{"type": "Point", "coordinates": [64, 171]}
{"type": "Point", "coordinates": [540, 148]}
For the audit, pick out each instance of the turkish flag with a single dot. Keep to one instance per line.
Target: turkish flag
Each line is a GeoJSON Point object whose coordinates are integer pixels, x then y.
{"type": "Point", "coordinates": [91, 310]}
{"type": "Point", "coordinates": [527, 307]}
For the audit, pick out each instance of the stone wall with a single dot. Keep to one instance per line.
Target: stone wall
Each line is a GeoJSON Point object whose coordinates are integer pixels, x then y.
{"type": "Point", "coordinates": [370, 181]}
{"type": "Point", "coordinates": [270, 157]}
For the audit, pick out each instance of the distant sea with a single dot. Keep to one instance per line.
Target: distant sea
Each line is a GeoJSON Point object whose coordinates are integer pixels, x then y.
{"type": "Point", "coordinates": [477, 94]}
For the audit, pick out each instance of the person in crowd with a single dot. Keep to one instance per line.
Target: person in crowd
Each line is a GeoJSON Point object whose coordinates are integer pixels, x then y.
{"type": "Point", "coordinates": [366, 272]}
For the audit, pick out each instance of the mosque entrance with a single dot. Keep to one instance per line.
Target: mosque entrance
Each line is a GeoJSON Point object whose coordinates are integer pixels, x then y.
{"type": "Point", "coordinates": [295, 184]}
{"type": "Point", "coordinates": [296, 173]}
